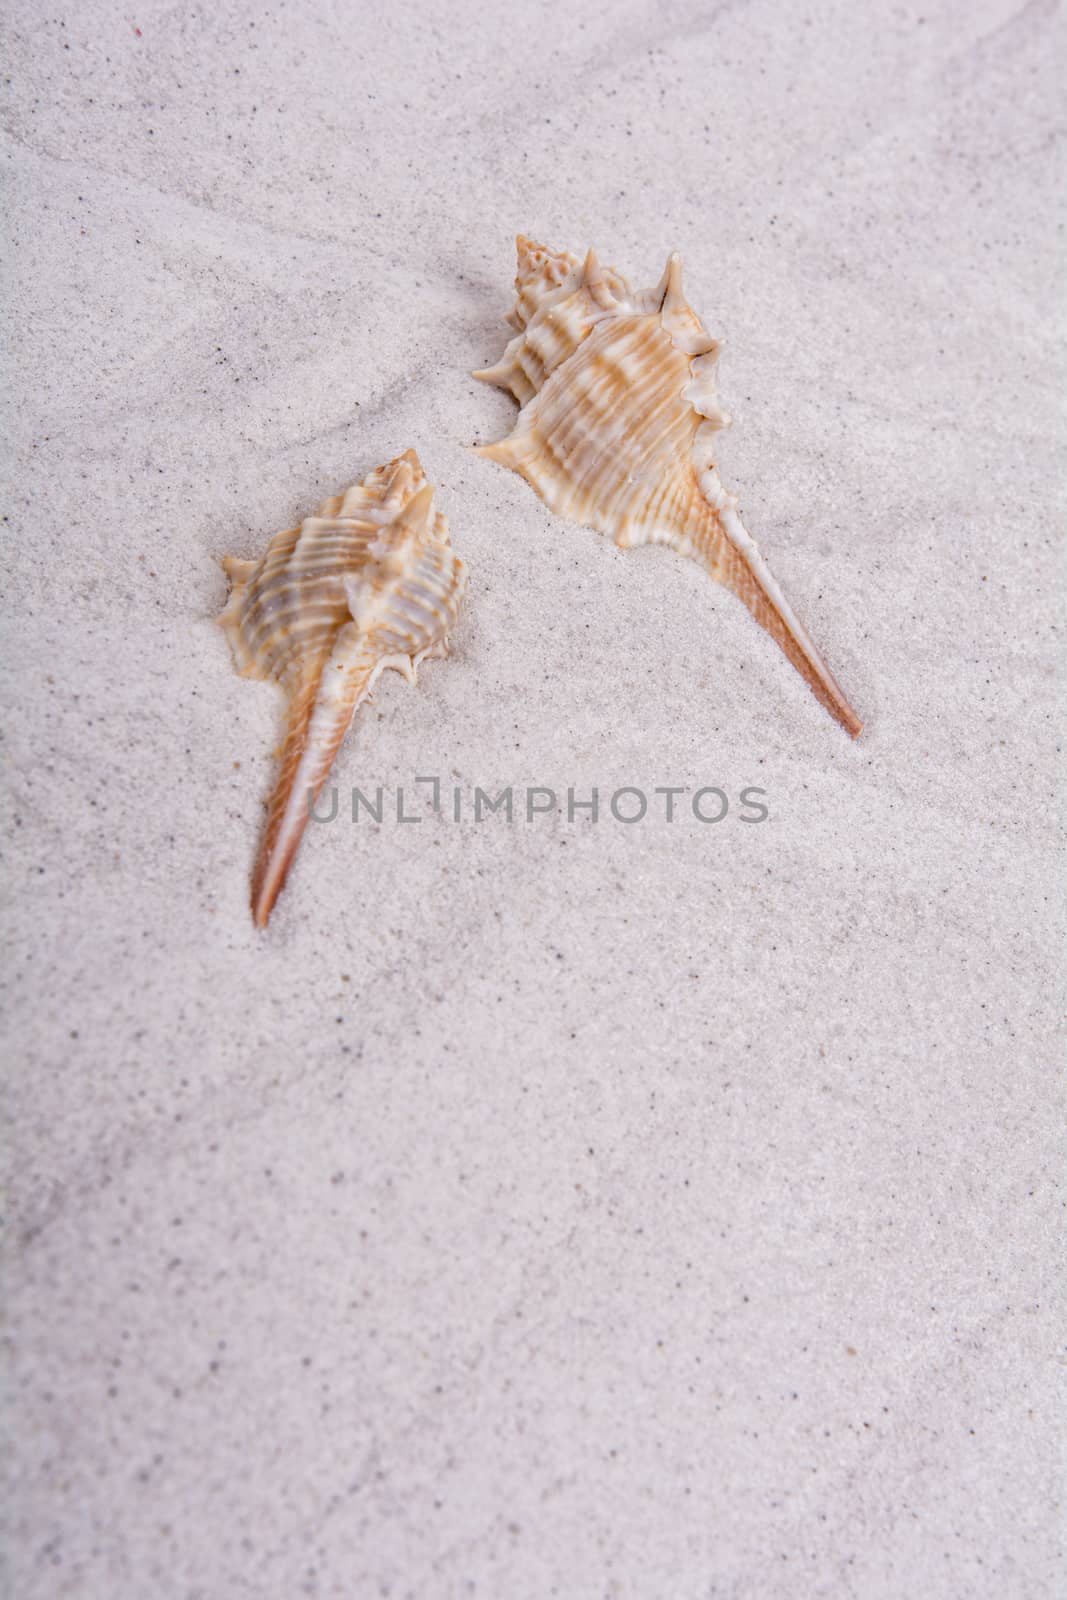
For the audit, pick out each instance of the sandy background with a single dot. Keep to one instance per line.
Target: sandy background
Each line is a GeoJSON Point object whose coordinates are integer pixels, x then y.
{"type": "Point", "coordinates": [565, 1210]}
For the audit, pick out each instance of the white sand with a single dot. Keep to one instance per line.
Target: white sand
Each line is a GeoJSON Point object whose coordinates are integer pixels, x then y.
{"type": "Point", "coordinates": [659, 1212]}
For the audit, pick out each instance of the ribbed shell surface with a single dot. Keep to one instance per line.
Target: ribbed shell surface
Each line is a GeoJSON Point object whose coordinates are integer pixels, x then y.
{"type": "Point", "coordinates": [357, 558]}
{"type": "Point", "coordinates": [606, 442]}
{"type": "Point", "coordinates": [619, 409]}
{"type": "Point", "coordinates": [369, 583]}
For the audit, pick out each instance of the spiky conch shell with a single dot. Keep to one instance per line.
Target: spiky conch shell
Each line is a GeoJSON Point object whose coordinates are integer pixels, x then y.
{"type": "Point", "coordinates": [368, 583]}
{"type": "Point", "coordinates": [619, 412]}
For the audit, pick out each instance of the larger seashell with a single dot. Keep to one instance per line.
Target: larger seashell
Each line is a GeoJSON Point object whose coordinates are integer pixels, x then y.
{"type": "Point", "coordinates": [619, 413]}
{"type": "Point", "coordinates": [369, 582]}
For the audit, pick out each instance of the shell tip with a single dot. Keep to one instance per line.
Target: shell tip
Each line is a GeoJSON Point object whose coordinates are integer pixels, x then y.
{"type": "Point", "coordinates": [670, 285]}
{"type": "Point", "coordinates": [419, 510]}
{"type": "Point", "coordinates": [500, 452]}
{"type": "Point", "coordinates": [262, 906]}
{"type": "Point", "coordinates": [593, 281]}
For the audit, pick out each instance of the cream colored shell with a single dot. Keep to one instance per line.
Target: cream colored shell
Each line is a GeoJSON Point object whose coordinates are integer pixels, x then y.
{"type": "Point", "coordinates": [619, 413]}
{"type": "Point", "coordinates": [370, 582]}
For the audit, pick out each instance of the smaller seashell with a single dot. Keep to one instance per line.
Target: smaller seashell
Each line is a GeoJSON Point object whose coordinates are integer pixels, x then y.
{"type": "Point", "coordinates": [370, 582]}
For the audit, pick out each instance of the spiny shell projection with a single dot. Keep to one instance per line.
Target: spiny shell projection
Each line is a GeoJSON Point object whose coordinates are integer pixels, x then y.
{"type": "Point", "coordinates": [369, 582]}
{"type": "Point", "coordinates": [619, 412]}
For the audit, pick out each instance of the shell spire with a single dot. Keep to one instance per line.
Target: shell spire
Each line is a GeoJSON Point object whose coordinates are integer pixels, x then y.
{"type": "Point", "coordinates": [369, 583]}
{"type": "Point", "coordinates": [619, 407]}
